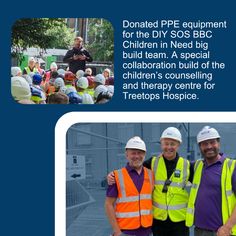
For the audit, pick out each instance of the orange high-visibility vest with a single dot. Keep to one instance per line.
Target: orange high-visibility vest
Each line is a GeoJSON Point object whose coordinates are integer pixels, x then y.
{"type": "Point", "coordinates": [133, 209]}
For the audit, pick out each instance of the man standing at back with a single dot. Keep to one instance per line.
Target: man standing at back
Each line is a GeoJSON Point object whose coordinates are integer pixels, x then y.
{"type": "Point", "coordinates": [212, 201]}
{"type": "Point", "coordinates": [77, 56]}
{"type": "Point", "coordinates": [129, 201]}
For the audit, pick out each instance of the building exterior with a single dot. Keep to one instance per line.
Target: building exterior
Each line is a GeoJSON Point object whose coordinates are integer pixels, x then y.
{"type": "Point", "coordinates": [95, 149]}
{"type": "Point", "coordinates": [102, 144]}
{"type": "Point", "coordinates": [79, 25]}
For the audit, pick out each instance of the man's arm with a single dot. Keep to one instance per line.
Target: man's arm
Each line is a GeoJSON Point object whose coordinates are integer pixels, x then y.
{"type": "Point", "coordinates": [88, 56]}
{"type": "Point", "coordinates": [68, 57]}
{"type": "Point", "coordinates": [110, 211]}
{"type": "Point", "coordinates": [225, 230]}
{"type": "Point", "coordinates": [148, 163]}
{"type": "Point", "coordinates": [192, 163]}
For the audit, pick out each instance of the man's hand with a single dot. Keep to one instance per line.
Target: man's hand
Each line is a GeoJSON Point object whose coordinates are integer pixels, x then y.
{"type": "Point", "coordinates": [224, 230]}
{"type": "Point", "coordinates": [82, 57]}
{"type": "Point", "coordinates": [117, 233]}
{"type": "Point", "coordinates": [111, 178]}
{"type": "Point", "coordinates": [76, 57]}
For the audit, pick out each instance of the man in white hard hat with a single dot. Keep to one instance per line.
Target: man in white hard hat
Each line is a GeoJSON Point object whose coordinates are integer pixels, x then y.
{"type": "Point", "coordinates": [81, 87]}
{"type": "Point", "coordinates": [170, 197]}
{"type": "Point", "coordinates": [20, 90]}
{"type": "Point", "coordinates": [99, 80]}
{"type": "Point", "coordinates": [129, 200]}
{"type": "Point", "coordinates": [16, 71]}
{"type": "Point", "coordinates": [212, 201]}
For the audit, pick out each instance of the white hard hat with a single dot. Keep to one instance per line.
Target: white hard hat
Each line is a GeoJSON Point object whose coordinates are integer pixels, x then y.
{"type": "Point", "coordinates": [53, 65]}
{"type": "Point", "coordinates": [172, 133]}
{"type": "Point", "coordinates": [79, 74]}
{"type": "Point", "coordinates": [99, 89]}
{"type": "Point", "coordinates": [110, 89]}
{"type": "Point", "coordinates": [136, 143]}
{"type": "Point", "coordinates": [61, 71]}
{"type": "Point", "coordinates": [87, 99]}
{"type": "Point", "coordinates": [207, 133]}
{"type": "Point", "coordinates": [16, 71]}
{"type": "Point", "coordinates": [82, 83]}
{"type": "Point", "coordinates": [63, 89]}
{"type": "Point", "coordinates": [32, 59]}
{"type": "Point", "coordinates": [20, 89]}
{"type": "Point", "coordinates": [99, 78]}
{"type": "Point", "coordinates": [108, 71]}
{"type": "Point", "coordinates": [59, 82]}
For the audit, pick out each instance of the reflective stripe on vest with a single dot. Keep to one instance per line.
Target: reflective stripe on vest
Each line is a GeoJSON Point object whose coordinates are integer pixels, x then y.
{"type": "Point", "coordinates": [133, 209]}
{"type": "Point", "coordinates": [228, 196]}
{"type": "Point", "coordinates": [174, 202]}
{"type": "Point", "coordinates": [134, 199]}
{"type": "Point", "coordinates": [166, 207]}
{"type": "Point", "coordinates": [133, 214]}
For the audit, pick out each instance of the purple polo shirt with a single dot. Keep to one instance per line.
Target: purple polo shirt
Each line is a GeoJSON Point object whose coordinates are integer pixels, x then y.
{"type": "Point", "coordinates": [208, 213]}
{"type": "Point", "coordinates": [112, 191]}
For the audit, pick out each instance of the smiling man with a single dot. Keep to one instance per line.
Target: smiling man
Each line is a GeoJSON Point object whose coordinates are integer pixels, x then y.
{"type": "Point", "coordinates": [212, 198]}
{"type": "Point", "coordinates": [170, 197]}
{"type": "Point", "coordinates": [129, 200]}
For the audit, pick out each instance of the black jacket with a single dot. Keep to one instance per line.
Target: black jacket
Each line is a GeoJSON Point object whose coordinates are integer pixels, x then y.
{"type": "Point", "coordinates": [75, 65]}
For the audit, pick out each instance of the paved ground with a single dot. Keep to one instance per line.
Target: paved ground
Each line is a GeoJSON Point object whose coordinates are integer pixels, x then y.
{"type": "Point", "coordinates": [92, 221]}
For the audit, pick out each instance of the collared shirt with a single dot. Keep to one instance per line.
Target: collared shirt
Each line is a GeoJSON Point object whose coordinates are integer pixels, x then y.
{"type": "Point", "coordinates": [208, 212]}
{"type": "Point", "coordinates": [138, 179]}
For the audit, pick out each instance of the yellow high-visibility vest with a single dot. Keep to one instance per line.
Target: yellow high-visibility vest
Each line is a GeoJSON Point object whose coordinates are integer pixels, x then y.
{"type": "Point", "coordinates": [174, 202]}
{"type": "Point", "coordinates": [90, 92]}
{"type": "Point", "coordinates": [27, 69]}
{"type": "Point", "coordinates": [228, 196]}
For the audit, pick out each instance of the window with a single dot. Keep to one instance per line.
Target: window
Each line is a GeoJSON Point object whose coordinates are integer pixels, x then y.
{"type": "Point", "coordinates": [125, 132]}
{"type": "Point", "coordinates": [81, 137]}
{"type": "Point", "coordinates": [122, 160]}
{"type": "Point", "coordinates": [155, 132]}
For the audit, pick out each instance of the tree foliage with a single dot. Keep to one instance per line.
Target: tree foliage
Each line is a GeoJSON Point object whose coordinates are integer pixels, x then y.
{"type": "Point", "coordinates": [41, 33]}
{"type": "Point", "coordinates": [46, 33]}
{"type": "Point", "coordinates": [101, 39]}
